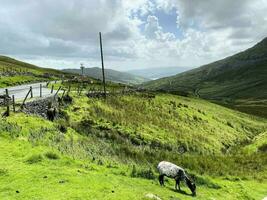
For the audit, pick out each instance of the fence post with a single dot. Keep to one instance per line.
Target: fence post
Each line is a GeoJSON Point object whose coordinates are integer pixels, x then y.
{"type": "Point", "coordinates": [13, 103]}
{"type": "Point", "coordinates": [57, 91]}
{"type": "Point", "coordinates": [52, 89]}
{"type": "Point", "coordinates": [79, 93]}
{"type": "Point", "coordinates": [22, 105]}
{"type": "Point", "coordinates": [31, 92]}
{"type": "Point", "coordinates": [7, 109]}
{"type": "Point", "coordinates": [40, 90]}
{"type": "Point", "coordinates": [7, 92]}
{"type": "Point", "coordinates": [69, 89]}
{"type": "Point", "coordinates": [78, 89]}
{"type": "Point", "coordinates": [63, 93]}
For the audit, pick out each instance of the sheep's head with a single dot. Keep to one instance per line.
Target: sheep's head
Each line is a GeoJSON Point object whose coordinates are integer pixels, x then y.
{"type": "Point", "coordinates": [192, 186]}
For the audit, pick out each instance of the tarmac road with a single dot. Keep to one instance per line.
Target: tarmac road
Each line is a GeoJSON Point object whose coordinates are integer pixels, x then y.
{"type": "Point", "coordinates": [21, 91]}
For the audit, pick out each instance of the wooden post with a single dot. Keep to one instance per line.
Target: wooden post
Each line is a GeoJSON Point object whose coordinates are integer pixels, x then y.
{"type": "Point", "coordinates": [69, 89]}
{"type": "Point", "coordinates": [13, 103]}
{"type": "Point", "coordinates": [31, 92]}
{"type": "Point", "coordinates": [52, 89]}
{"type": "Point", "coordinates": [41, 90]}
{"type": "Point", "coordinates": [7, 109]}
{"type": "Point", "coordinates": [22, 105]}
{"type": "Point", "coordinates": [7, 92]}
{"type": "Point", "coordinates": [79, 93]}
{"type": "Point", "coordinates": [64, 91]}
{"type": "Point", "coordinates": [78, 89]}
{"type": "Point", "coordinates": [58, 91]}
{"type": "Point", "coordinates": [102, 60]}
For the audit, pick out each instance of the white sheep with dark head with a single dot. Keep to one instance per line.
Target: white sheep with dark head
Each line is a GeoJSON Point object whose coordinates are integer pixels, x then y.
{"type": "Point", "coordinates": [177, 173]}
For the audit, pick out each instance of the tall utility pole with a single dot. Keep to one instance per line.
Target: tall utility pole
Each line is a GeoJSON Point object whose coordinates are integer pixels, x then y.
{"type": "Point", "coordinates": [102, 60]}
{"type": "Point", "coordinates": [82, 68]}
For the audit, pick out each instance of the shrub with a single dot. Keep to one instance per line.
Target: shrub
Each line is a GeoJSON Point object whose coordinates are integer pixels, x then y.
{"type": "Point", "coordinates": [206, 182]}
{"type": "Point", "coordinates": [263, 148]}
{"type": "Point", "coordinates": [35, 158]}
{"type": "Point", "coordinates": [3, 172]}
{"type": "Point", "coordinates": [62, 126]}
{"type": "Point", "coordinates": [52, 155]}
{"type": "Point", "coordinates": [230, 124]}
{"type": "Point", "coordinates": [143, 173]}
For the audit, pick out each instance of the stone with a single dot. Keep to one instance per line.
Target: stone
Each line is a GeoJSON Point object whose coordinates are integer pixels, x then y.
{"type": "Point", "coordinates": [152, 196]}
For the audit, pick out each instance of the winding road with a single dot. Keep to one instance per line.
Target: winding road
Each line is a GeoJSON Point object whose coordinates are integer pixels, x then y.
{"type": "Point", "coordinates": [21, 91]}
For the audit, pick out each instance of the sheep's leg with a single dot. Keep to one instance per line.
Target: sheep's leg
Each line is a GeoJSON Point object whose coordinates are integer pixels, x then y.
{"type": "Point", "coordinates": [177, 184]}
{"type": "Point", "coordinates": [161, 180]}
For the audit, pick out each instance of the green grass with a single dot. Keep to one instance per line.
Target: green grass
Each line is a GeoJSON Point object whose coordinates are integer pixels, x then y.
{"type": "Point", "coordinates": [115, 145]}
{"type": "Point", "coordinates": [170, 121]}
{"type": "Point", "coordinates": [66, 178]}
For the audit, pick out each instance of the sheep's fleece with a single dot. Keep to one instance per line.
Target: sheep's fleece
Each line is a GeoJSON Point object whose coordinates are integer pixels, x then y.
{"type": "Point", "coordinates": [169, 169]}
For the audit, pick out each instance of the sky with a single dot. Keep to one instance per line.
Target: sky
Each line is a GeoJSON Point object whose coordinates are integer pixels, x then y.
{"type": "Point", "coordinates": [136, 33]}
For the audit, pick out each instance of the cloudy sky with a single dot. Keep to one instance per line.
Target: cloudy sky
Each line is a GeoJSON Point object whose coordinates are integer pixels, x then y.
{"type": "Point", "coordinates": [136, 33]}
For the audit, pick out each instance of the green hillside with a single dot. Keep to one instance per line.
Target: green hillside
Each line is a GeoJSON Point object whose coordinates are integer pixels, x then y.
{"type": "Point", "coordinates": [109, 149]}
{"type": "Point", "coordinates": [111, 75]}
{"type": "Point", "coordinates": [14, 72]}
{"type": "Point", "coordinates": [237, 80]}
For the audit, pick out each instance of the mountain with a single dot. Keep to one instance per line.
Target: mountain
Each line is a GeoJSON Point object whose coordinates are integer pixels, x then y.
{"type": "Point", "coordinates": [14, 72]}
{"type": "Point", "coordinates": [111, 75]}
{"type": "Point", "coordinates": [156, 73]}
{"type": "Point", "coordinates": [239, 80]}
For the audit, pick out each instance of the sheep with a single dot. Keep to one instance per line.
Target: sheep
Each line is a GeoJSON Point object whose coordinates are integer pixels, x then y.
{"type": "Point", "coordinates": [173, 171]}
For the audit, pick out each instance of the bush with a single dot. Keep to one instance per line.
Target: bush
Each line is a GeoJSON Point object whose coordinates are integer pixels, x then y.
{"type": "Point", "coordinates": [3, 172]}
{"type": "Point", "coordinates": [230, 124]}
{"type": "Point", "coordinates": [62, 126]}
{"type": "Point", "coordinates": [263, 148]}
{"type": "Point", "coordinates": [35, 158]}
{"type": "Point", "coordinates": [143, 173]}
{"type": "Point", "coordinates": [206, 182]}
{"type": "Point", "coordinates": [52, 156]}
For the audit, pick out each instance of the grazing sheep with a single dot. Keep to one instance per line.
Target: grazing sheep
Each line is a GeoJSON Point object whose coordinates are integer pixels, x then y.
{"type": "Point", "coordinates": [173, 171]}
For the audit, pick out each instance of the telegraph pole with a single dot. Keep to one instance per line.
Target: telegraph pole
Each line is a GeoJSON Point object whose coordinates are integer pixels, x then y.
{"type": "Point", "coordinates": [82, 68]}
{"type": "Point", "coordinates": [102, 60]}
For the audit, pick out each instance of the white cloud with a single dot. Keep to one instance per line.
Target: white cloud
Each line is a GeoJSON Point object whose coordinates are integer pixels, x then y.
{"type": "Point", "coordinates": [57, 33]}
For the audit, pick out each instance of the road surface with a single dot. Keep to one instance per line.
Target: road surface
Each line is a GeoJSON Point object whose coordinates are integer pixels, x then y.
{"type": "Point", "coordinates": [21, 91]}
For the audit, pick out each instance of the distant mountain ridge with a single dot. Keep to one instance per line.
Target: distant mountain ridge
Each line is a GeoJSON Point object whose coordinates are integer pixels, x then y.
{"type": "Point", "coordinates": [242, 76]}
{"type": "Point", "coordinates": [111, 75]}
{"type": "Point", "coordinates": [159, 72]}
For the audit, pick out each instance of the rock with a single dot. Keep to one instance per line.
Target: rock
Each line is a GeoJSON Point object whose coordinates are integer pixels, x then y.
{"type": "Point", "coordinates": [61, 181]}
{"type": "Point", "coordinates": [152, 196]}
{"type": "Point", "coordinates": [39, 107]}
{"type": "Point", "coordinates": [174, 198]}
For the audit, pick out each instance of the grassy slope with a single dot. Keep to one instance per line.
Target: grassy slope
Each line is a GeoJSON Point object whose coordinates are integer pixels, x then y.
{"type": "Point", "coordinates": [22, 169]}
{"type": "Point", "coordinates": [169, 120]}
{"type": "Point", "coordinates": [87, 180]}
{"type": "Point", "coordinates": [21, 72]}
{"type": "Point", "coordinates": [105, 138]}
{"type": "Point", "coordinates": [239, 77]}
{"type": "Point", "coordinates": [111, 75]}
